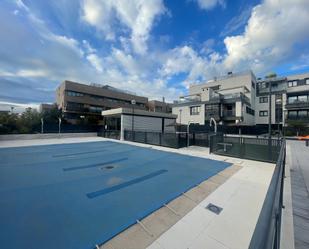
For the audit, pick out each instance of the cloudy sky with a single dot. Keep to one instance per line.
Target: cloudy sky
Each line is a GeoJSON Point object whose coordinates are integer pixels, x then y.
{"type": "Point", "coordinates": [151, 47]}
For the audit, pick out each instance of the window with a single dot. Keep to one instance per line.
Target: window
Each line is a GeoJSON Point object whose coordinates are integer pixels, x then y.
{"type": "Point", "coordinates": [95, 109]}
{"type": "Point", "coordinates": [249, 110]}
{"type": "Point", "coordinates": [302, 98]}
{"type": "Point", "coordinates": [195, 110]}
{"type": "Point", "coordinates": [263, 113]}
{"type": "Point", "coordinates": [74, 94]}
{"type": "Point", "coordinates": [292, 99]}
{"type": "Point", "coordinates": [307, 81]}
{"type": "Point", "coordinates": [292, 114]}
{"type": "Point", "coordinates": [263, 99]}
{"type": "Point", "coordinates": [263, 85]}
{"type": "Point", "coordinates": [252, 84]}
{"type": "Point", "coordinates": [302, 114]}
{"type": "Point", "coordinates": [292, 83]}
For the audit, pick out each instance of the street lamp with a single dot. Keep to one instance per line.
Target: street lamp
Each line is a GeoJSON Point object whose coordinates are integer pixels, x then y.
{"type": "Point", "coordinates": [133, 102]}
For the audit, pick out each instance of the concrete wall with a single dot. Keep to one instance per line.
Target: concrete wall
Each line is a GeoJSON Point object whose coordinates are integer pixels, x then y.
{"type": "Point", "coordinates": [265, 107]}
{"type": "Point", "coordinates": [45, 136]}
{"type": "Point", "coordinates": [186, 117]}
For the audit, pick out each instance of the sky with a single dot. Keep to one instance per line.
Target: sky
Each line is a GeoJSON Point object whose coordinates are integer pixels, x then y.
{"type": "Point", "coordinates": [153, 48]}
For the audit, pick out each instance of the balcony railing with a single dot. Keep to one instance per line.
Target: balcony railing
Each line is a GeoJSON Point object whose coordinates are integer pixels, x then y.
{"type": "Point", "coordinates": [297, 104]}
{"type": "Point", "coordinates": [229, 113]}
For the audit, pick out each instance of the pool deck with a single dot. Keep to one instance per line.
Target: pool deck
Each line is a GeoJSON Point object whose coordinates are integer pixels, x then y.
{"type": "Point", "coordinates": [185, 222]}
{"type": "Point", "coordinates": [298, 182]}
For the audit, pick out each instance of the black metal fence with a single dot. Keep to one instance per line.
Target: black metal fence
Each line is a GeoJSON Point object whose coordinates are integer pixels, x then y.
{"type": "Point", "coordinates": [114, 134]}
{"type": "Point", "coordinates": [173, 140]}
{"type": "Point", "coordinates": [267, 231]}
{"type": "Point", "coordinates": [260, 149]}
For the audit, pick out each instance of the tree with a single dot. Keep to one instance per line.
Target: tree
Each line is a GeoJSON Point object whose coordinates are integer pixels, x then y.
{"type": "Point", "coordinates": [29, 121]}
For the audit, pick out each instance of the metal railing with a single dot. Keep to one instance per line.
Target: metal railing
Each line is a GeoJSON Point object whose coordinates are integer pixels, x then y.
{"type": "Point", "coordinates": [260, 149]}
{"type": "Point", "coordinates": [173, 140]}
{"type": "Point", "coordinates": [267, 231]}
{"type": "Point", "coordinates": [114, 134]}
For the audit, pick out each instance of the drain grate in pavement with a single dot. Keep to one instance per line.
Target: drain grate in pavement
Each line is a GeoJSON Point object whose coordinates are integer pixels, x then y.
{"type": "Point", "coordinates": [213, 208]}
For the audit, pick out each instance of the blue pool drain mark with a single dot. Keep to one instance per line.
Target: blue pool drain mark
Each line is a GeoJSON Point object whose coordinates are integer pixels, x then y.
{"type": "Point", "coordinates": [96, 165]}
{"type": "Point", "coordinates": [125, 184]}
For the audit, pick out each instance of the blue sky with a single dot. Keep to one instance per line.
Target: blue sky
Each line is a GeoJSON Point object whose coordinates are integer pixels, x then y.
{"type": "Point", "coordinates": [154, 48]}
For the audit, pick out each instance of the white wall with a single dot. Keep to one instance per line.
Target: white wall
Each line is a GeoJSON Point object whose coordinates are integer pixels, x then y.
{"type": "Point", "coordinates": [186, 117]}
{"type": "Point", "coordinates": [265, 107]}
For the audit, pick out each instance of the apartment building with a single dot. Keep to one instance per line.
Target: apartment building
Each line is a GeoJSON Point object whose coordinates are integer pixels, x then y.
{"type": "Point", "coordinates": [289, 99]}
{"type": "Point", "coordinates": [229, 100]}
{"type": "Point", "coordinates": [78, 101]}
{"type": "Point", "coordinates": [159, 106]}
{"type": "Point", "coordinates": [240, 99]}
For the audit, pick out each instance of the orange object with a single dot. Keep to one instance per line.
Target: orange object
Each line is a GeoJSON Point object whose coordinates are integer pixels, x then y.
{"type": "Point", "coordinates": [303, 137]}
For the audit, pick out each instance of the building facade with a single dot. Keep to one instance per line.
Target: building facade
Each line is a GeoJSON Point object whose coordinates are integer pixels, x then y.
{"type": "Point", "coordinates": [241, 99]}
{"type": "Point", "coordinates": [159, 106]}
{"type": "Point", "coordinates": [229, 100]}
{"type": "Point", "coordinates": [78, 101]}
{"type": "Point", "coordinates": [288, 96]}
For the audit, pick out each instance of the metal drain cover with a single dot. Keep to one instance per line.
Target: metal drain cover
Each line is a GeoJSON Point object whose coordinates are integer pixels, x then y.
{"type": "Point", "coordinates": [213, 208]}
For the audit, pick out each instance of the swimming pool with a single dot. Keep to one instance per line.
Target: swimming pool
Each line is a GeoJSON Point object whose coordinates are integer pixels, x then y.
{"type": "Point", "coordinates": [79, 195]}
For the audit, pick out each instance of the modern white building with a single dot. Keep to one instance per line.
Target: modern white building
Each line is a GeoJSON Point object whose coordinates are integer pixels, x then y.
{"type": "Point", "coordinates": [289, 99]}
{"type": "Point", "coordinates": [229, 100]}
{"type": "Point", "coordinates": [241, 99]}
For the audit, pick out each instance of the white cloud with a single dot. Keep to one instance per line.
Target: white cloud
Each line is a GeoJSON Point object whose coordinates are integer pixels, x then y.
{"type": "Point", "coordinates": [274, 33]}
{"type": "Point", "coordinates": [95, 61]}
{"type": "Point", "coordinates": [186, 60]}
{"type": "Point", "coordinates": [136, 15]}
{"type": "Point", "coordinates": [210, 4]}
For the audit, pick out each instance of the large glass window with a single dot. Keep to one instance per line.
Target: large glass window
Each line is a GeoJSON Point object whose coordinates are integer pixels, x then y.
{"type": "Point", "coordinates": [292, 114]}
{"type": "Point", "coordinates": [307, 81]}
{"type": "Point", "coordinates": [302, 98]}
{"type": "Point", "coordinates": [195, 110]}
{"type": "Point", "coordinates": [292, 99]}
{"type": "Point", "coordinates": [302, 114]}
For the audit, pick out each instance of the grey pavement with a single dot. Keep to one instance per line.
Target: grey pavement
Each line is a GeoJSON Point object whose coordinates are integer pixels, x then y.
{"type": "Point", "coordinates": [299, 156]}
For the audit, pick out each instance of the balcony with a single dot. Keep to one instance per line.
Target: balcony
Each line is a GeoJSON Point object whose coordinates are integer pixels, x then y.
{"type": "Point", "coordinates": [229, 114]}
{"type": "Point", "coordinates": [297, 105]}
{"type": "Point", "coordinates": [214, 115]}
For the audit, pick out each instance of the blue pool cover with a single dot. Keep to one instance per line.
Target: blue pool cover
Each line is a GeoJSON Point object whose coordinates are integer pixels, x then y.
{"type": "Point", "coordinates": [83, 194]}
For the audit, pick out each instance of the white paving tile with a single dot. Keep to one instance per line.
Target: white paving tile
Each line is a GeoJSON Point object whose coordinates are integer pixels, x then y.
{"type": "Point", "coordinates": [198, 219]}
{"type": "Point", "coordinates": [241, 198]}
{"type": "Point", "coordinates": [205, 242]}
{"type": "Point", "coordinates": [177, 237]}
{"type": "Point", "coordinates": [155, 245]}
